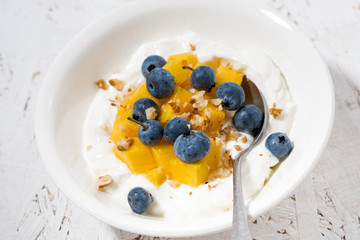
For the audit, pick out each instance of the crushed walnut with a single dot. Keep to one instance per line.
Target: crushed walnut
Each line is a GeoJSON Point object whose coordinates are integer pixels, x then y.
{"type": "Point", "coordinates": [275, 112]}
{"type": "Point", "coordinates": [196, 120]}
{"type": "Point", "coordinates": [174, 183]}
{"type": "Point", "coordinates": [244, 139]}
{"type": "Point", "coordinates": [198, 102]}
{"type": "Point", "coordinates": [233, 135]}
{"type": "Point", "coordinates": [104, 127]}
{"type": "Point", "coordinates": [89, 147]}
{"type": "Point", "coordinates": [226, 130]}
{"type": "Point", "coordinates": [237, 147]}
{"type": "Point", "coordinates": [216, 101]}
{"type": "Point", "coordinates": [175, 106]}
{"type": "Point", "coordinates": [104, 181]}
{"type": "Point", "coordinates": [150, 113]}
{"type": "Point", "coordinates": [193, 47]}
{"type": "Point", "coordinates": [207, 124]}
{"type": "Point", "coordinates": [211, 187]}
{"type": "Point", "coordinates": [190, 193]}
{"type": "Point", "coordinates": [101, 84]}
{"type": "Point", "coordinates": [124, 144]}
{"type": "Point", "coordinates": [117, 84]}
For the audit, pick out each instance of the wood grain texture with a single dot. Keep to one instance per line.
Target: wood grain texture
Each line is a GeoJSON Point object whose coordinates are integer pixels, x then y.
{"type": "Point", "coordinates": [325, 206]}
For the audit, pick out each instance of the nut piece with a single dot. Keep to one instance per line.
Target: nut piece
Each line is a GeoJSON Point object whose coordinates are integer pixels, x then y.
{"type": "Point", "coordinates": [124, 144]}
{"type": "Point", "coordinates": [275, 112]}
{"type": "Point", "coordinates": [150, 113]}
{"type": "Point", "coordinates": [174, 183]}
{"type": "Point", "coordinates": [198, 101]}
{"type": "Point", "coordinates": [207, 124]}
{"type": "Point", "coordinates": [216, 101]}
{"type": "Point", "coordinates": [175, 107]}
{"type": "Point", "coordinates": [117, 84]}
{"type": "Point", "coordinates": [197, 121]}
{"type": "Point", "coordinates": [104, 181]}
{"type": "Point", "coordinates": [193, 47]}
{"type": "Point", "coordinates": [237, 147]}
{"type": "Point", "coordinates": [101, 84]}
{"type": "Point", "coordinates": [244, 139]}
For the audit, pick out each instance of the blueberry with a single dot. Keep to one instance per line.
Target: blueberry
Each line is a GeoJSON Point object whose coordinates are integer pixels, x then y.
{"type": "Point", "coordinates": [139, 200]}
{"type": "Point", "coordinates": [160, 83]}
{"type": "Point", "coordinates": [203, 78]}
{"type": "Point", "coordinates": [192, 146]}
{"type": "Point", "coordinates": [278, 144]}
{"type": "Point", "coordinates": [231, 94]}
{"type": "Point", "coordinates": [152, 133]}
{"type": "Point", "coordinates": [140, 107]}
{"type": "Point", "coordinates": [175, 128]}
{"type": "Point", "coordinates": [150, 63]}
{"type": "Point", "coordinates": [248, 119]}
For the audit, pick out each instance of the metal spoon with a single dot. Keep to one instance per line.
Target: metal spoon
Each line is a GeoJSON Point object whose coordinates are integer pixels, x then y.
{"type": "Point", "coordinates": [240, 220]}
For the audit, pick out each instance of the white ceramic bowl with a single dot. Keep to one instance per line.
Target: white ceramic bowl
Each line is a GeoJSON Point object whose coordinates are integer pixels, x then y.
{"type": "Point", "coordinates": [106, 45]}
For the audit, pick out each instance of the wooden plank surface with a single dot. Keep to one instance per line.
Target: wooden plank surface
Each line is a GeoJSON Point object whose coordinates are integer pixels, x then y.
{"type": "Point", "coordinates": [325, 206]}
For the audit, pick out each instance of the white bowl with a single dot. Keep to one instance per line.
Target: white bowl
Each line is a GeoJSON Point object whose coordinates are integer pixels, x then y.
{"type": "Point", "coordinates": [106, 45]}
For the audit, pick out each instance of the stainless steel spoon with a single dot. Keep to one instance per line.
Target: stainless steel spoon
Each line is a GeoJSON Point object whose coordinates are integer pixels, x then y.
{"type": "Point", "coordinates": [240, 220]}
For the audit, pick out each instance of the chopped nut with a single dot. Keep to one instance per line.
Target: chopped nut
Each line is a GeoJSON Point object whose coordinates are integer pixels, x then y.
{"type": "Point", "coordinates": [150, 113]}
{"type": "Point", "coordinates": [211, 187]}
{"type": "Point", "coordinates": [193, 47]}
{"type": "Point", "coordinates": [198, 101]}
{"type": "Point", "coordinates": [117, 84]}
{"type": "Point", "coordinates": [174, 183]}
{"type": "Point", "coordinates": [124, 144]}
{"type": "Point", "coordinates": [89, 147]}
{"type": "Point", "coordinates": [216, 101]}
{"type": "Point", "coordinates": [244, 139]}
{"type": "Point", "coordinates": [189, 126]}
{"type": "Point", "coordinates": [104, 181]}
{"type": "Point", "coordinates": [190, 193]}
{"type": "Point", "coordinates": [196, 121]}
{"type": "Point", "coordinates": [275, 112]}
{"type": "Point", "coordinates": [207, 124]}
{"type": "Point", "coordinates": [101, 84]}
{"type": "Point", "coordinates": [233, 135]}
{"type": "Point", "coordinates": [260, 154]}
{"type": "Point", "coordinates": [237, 147]}
{"type": "Point", "coordinates": [175, 107]}
{"type": "Point", "coordinates": [226, 130]}
{"type": "Point", "coordinates": [218, 141]}
{"type": "Point", "coordinates": [220, 107]}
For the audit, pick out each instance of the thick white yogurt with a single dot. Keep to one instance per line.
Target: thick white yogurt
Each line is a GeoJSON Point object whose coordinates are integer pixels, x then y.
{"type": "Point", "coordinates": [202, 202]}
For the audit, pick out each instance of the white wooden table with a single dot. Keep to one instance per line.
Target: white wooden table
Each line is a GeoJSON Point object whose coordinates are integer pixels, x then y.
{"type": "Point", "coordinates": [325, 206]}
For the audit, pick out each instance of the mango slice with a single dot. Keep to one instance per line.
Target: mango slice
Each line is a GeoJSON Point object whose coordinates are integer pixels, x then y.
{"type": "Point", "coordinates": [163, 154]}
{"type": "Point", "coordinates": [138, 157]}
{"type": "Point", "coordinates": [156, 176]}
{"type": "Point", "coordinates": [175, 68]}
{"type": "Point", "coordinates": [192, 174]}
{"type": "Point", "coordinates": [185, 59]}
{"type": "Point", "coordinates": [141, 92]}
{"type": "Point", "coordinates": [166, 112]}
{"type": "Point", "coordinates": [123, 127]}
{"type": "Point", "coordinates": [213, 157]}
{"type": "Point", "coordinates": [226, 74]}
{"type": "Point", "coordinates": [182, 98]}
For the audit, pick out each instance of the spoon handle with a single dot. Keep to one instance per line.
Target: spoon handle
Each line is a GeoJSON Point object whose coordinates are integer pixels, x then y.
{"type": "Point", "coordinates": [240, 220]}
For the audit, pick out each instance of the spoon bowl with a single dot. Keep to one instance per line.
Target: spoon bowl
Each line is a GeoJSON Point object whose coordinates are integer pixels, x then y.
{"type": "Point", "coordinates": [240, 224]}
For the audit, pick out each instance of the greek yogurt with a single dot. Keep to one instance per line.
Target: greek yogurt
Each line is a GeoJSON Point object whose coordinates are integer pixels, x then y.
{"type": "Point", "coordinates": [205, 200]}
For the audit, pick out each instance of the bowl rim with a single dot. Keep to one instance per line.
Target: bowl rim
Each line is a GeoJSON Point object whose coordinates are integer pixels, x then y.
{"type": "Point", "coordinates": [53, 168]}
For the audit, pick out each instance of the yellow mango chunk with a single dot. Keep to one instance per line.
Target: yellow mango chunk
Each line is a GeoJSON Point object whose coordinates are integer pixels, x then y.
{"type": "Point", "coordinates": [192, 174]}
{"type": "Point", "coordinates": [141, 92]}
{"type": "Point", "coordinates": [156, 176]}
{"type": "Point", "coordinates": [175, 68]}
{"type": "Point", "coordinates": [166, 112]}
{"type": "Point", "coordinates": [138, 157]}
{"type": "Point", "coordinates": [214, 63]}
{"type": "Point", "coordinates": [163, 154]}
{"type": "Point", "coordinates": [185, 59]}
{"type": "Point", "coordinates": [225, 74]}
{"type": "Point", "coordinates": [123, 127]}
{"type": "Point", "coordinates": [216, 117]}
{"type": "Point", "coordinates": [213, 157]}
{"type": "Point", "coordinates": [182, 98]}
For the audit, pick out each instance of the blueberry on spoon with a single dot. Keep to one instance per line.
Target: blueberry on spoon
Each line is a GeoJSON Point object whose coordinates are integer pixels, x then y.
{"type": "Point", "coordinates": [150, 131]}
{"type": "Point", "coordinates": [248, 119]}
{"type": "Point", "coordinates": [231, 94]}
